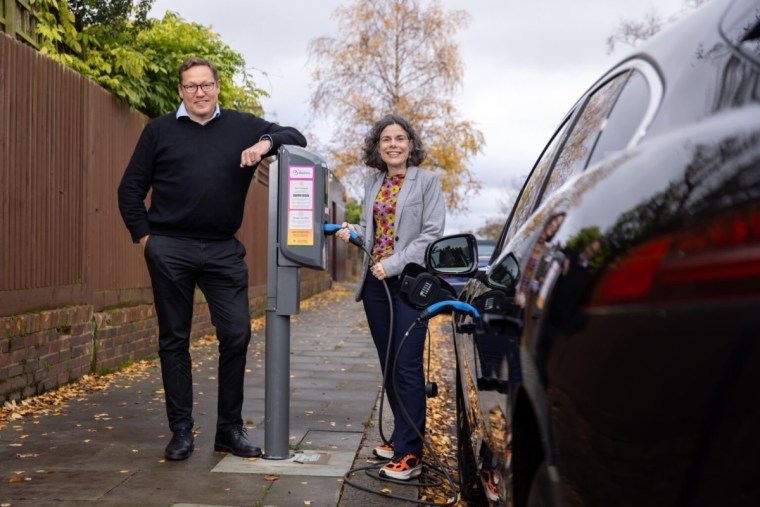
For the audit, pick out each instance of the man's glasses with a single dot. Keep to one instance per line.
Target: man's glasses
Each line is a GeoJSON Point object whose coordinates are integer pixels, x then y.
{"type": "Point", "coordinates": [192, 88]}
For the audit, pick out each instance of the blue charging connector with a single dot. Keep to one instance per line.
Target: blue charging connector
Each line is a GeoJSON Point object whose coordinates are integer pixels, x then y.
{"type": "Point", "coordinates": [444, 306]}
{"type": "Point", "coordinates": [330, 229]}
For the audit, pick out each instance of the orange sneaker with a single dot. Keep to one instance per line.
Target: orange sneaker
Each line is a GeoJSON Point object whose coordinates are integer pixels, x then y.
{"type": "Point", "coordinates": [402, 467]}
{"type": "Point", "coordinates": [490, 485]}
{"type": "Point", "coordinates": [384, 451]}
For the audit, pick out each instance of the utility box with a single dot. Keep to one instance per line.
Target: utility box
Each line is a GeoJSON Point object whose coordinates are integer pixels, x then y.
{"type": "Point", "coordinates": [303, 208]}
{"type": "Point", "coordinates": [297, 215]}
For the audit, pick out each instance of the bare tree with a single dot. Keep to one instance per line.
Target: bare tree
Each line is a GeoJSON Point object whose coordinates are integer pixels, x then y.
{"type": "Point", "coordinates": [393, 56]}
{"type": "Point", "coordinates": [632, 32]}
{"type": "Point", "coordinates": [493, 226]}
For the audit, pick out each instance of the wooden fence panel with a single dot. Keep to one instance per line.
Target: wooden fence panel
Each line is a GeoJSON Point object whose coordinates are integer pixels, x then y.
{"type": "Point", "coordinates": [75, 295]}
{"type": "Point", "coordinates": [19, 20]}
{"type": "Point", "coordinates": [64, 145]}
{"type": "Point", "coordinates": [42, 178]}
{"type": "Point", "coordinates": [117, 269]}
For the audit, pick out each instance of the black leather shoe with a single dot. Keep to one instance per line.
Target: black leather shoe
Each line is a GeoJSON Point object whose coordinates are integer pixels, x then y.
{"type": "Point", "coordinates": [236, 441]}
{"type": "Point", "coordinates": [180, 446]}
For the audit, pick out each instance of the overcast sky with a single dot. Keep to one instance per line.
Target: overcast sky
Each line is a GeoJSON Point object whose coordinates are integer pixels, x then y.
{"type": "Point", "coordinates": [526, 63]}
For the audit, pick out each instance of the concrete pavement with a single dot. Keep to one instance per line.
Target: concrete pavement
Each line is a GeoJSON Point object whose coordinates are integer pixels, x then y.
{"type": "Point", "coordinates": [106, 448]}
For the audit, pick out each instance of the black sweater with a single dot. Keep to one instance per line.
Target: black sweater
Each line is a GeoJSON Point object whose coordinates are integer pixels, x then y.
{"type": "Point", "coordinates": [198, 186]}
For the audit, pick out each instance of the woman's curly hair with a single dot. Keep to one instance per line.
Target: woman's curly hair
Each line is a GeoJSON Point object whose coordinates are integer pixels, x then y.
{"type": "Point", "coordinates": [372, 157]}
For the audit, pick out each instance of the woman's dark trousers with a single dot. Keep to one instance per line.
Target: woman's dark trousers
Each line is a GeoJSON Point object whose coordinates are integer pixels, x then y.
{"type": "Point", "coordinates": [408, 367]}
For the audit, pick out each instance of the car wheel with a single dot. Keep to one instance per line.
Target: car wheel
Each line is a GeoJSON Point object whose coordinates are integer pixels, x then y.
{"type": "Point", "coordinates": [470, 489]}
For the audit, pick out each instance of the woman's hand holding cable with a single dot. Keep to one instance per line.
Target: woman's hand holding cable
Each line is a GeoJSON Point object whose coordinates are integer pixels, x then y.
{"type": "Point", "coordinates": [378, 271]}
{"type": "Point", "coordinates": [376, 268]}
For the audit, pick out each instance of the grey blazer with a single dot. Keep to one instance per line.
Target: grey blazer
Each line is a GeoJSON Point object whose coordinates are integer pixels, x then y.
{"type": "Point", "coordinates": [420, 219]}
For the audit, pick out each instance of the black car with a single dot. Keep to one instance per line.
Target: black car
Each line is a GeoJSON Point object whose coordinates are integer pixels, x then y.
{"type": "Point", "coordinates": [485, 251]}
{"type": "Point", "coordinates": [616, 357]}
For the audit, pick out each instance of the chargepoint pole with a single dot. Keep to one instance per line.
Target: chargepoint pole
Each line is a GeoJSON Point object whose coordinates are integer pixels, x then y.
{"type": "Point", "coordinates": [297, 214]}
{"type": "Point", "coordinates": [277, 341]}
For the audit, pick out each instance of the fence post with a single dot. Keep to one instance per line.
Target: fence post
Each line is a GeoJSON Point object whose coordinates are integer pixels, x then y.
{"type": "Point", "coordinates": [9, 17]}
{"type": "Point", "coordinates": [19, 19]}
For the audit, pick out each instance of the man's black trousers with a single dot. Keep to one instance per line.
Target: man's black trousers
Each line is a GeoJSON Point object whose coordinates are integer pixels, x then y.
{"type": "Point", "coordinates": [176, 266]}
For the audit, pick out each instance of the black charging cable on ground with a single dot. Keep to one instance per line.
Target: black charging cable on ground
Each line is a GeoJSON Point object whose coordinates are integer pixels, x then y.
{"type": "Point", "coordinates": [439, 469]}
{"type": "Point", "coordinates": [431, 389]}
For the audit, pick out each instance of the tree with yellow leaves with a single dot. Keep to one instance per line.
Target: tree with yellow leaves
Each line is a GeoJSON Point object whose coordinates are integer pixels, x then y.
{"type": "Point", "coordinates": [394, 56]}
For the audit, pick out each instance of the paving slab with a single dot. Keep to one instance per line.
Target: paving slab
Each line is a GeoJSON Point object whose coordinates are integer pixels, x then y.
{"type": "Point", "coordinates": [316, 463]}
{"type": "Point", "coordinates": [106, 447]}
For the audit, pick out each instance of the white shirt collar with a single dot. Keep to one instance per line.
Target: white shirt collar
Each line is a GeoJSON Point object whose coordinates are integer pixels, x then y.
{"type": "Point", "coordinates": [182, 111]}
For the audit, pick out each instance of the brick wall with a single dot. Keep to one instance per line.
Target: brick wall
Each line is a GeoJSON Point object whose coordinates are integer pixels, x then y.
{"type": "Point", "coordinates": [39, 351]}
{"type": "Point", "coordinates": [43, 350]}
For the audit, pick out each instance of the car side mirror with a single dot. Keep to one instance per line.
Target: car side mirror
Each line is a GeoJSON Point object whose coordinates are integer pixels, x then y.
{"type": "Point", "coordinates": [504, 274]}
{"type": "Point", "coordinates": [453, 255]}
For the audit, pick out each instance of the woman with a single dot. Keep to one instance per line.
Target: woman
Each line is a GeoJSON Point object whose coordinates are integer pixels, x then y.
{"type": "Point", "coordinates": [403, 211]}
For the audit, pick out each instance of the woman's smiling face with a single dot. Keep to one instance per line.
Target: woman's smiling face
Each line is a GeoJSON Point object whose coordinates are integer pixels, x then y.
{"type": "Point", "coordinates": [394, 146]}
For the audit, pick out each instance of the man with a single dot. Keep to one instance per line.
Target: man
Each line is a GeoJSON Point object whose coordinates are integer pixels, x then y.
{"type": "Point", "coordinates": [198, 162]}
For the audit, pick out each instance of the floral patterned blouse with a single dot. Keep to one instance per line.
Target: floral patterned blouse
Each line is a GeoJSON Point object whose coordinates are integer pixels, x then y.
{"type": "Point", "coordinates": [384, 211]}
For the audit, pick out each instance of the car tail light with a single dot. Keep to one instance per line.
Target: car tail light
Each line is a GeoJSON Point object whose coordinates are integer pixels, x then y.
{"type": "Point", "coordinates": [714, 261]}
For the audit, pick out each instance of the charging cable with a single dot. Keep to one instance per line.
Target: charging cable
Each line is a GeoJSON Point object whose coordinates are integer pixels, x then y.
{"type": "Point", "coordinates": [355, 239]}
{"type": "Point", "coordinates": [459, 307]}
{"type": "Point", "coordinates": [439, 470]}
{"type": "Point", "coordinates": [429, 312]}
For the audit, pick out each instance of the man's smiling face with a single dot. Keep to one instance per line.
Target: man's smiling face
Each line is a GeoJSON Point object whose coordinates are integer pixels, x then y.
{"type": "Point", "coordinates": [200, 104]}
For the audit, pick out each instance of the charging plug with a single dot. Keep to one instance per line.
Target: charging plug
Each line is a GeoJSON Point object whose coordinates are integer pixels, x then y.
{"type": "Point", "coordinates": [449, 306]}
{"type": "Point", "coordinates": [331, 229]}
